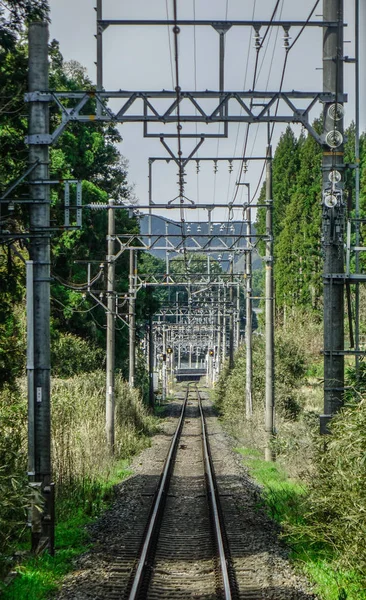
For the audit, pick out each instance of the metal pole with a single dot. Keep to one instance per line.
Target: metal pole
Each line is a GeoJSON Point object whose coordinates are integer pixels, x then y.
{"type": "Point", "coordinates": [269, 328]}
{"type": "Point", "coordinates": [132, 321]}
{"type": "Point", "coordinates": [99, 63]}
{"type": "Point", "coordinates": [109, 406]}
{"type": "Point", "coordinates": [42, 528]}
{"type": "Point", "coordinates": [358, 24]}
{"type": "Point", "coordinates": [333, 218]}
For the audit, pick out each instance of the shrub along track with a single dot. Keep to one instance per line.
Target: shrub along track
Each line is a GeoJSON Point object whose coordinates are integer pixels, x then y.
{"type": "Point", "coordinates": [181, 558]}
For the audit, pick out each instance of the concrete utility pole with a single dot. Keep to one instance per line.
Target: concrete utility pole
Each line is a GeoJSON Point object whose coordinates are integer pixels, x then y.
{"type": "Point", "coordinates": [269, 330]}
{"type": "Point", "coordinates": [111, 346]}
{"type": "Point", "coordinates": [151, 351]}
{"type": "Point", "coordinates": [333, 213]}
{"type": "Point", "coordinates": [218, 353]}
{"type": "Point", "coordinates": [99, 63]}
{"type": "Point", "coordinates": [231, 316]}
{"type": "Point", "coordinates": [223, 337]}
{"type": "Point", "coordinates": [132, 320]}
{"type": "Point", "coordinates": [39, 392]}
{"type": "Point", "coordinates": [248, 325]}
{"type": "Point", "coordinates": [164, 374]}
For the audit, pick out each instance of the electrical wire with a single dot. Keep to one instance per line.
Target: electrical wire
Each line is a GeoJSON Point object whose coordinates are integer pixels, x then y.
{"type": "Point", "coordinates": [280, 89]}
{"type": "Point", "coordinates": [70, 307]}
{"type": "Point", "coordinates": [77, 286]}
{"type": "Point", "coordinates": [260, 46]}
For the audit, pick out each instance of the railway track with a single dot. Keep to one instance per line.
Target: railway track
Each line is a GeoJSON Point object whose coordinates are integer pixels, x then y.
{"type": "Point", "coordinates": [184, 553]}
{"type": "Point", "coordinates": [163, 537]}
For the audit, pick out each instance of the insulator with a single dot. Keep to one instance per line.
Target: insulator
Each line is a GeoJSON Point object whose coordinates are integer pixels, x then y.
{"type": "Point", "coordinates": [257, 40]}
{"type": "Point", "coordinates": [97, 206]}
{"type": "Point", "coordinates": [336, 111]}
{"type": "Point", "coordinates": [230, 166]}
{"type": "Point", "coordinates": [215, 166]}
{"type": "Point", "coordinates": [334, 138]}
{"type": "Point", "coordinates": [286, 40]}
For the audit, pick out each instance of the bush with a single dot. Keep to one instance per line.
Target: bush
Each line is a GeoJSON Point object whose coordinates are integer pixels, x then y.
{"type": "Point", "coordinates": [290, 363]}
{"type": "Point", "coordinates": [71, 355]}
{"type": "Point", "coordinates": [337, 502]}
{"type": "Point", "coordinates": [13, 461]}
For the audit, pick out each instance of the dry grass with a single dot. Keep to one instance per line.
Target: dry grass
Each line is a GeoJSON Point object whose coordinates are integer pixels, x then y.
{"type": "Point", "coordinates": [78, 426]}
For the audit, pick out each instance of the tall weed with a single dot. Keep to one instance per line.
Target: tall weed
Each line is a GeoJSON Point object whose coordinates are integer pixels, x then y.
{"type": "Point", "coordinates": [336, 507]}
{"type": "Point", "coordinates": [13, 460]}
{"type": "Point", "coordinates": [81, 458]}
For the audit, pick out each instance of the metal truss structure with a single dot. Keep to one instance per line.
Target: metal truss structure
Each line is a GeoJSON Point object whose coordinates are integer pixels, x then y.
{"type": "Point", "coordinates": [231, 107]}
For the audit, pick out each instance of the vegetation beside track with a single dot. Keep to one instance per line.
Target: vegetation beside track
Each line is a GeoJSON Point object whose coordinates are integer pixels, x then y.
{"type": "Point", "coordinates": [85, 473]}
{"type": "Point", "coordinates": [287, 502]}
{"type": "Point", "coordinates": [316, 490]}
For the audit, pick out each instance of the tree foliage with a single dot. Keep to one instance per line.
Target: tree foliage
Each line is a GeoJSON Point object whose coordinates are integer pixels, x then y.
{"type": "Point", "coordinates": [87, 153]}
{"type": "Point", "coordinates": [297, 212]}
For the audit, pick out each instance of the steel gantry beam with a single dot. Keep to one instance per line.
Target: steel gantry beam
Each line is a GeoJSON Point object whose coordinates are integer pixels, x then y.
{"type": "Point", "coordinates": [231, 107]}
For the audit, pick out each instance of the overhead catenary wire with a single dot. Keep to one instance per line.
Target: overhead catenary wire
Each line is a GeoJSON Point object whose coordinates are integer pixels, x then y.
{"type": "Point", "coordinates": [78, 286]}
{"type": "Point", "coordinates": [259, 48]}
{"type": "Point", "coordinates": [73, 309]}
{"type": "Point", "coordinates": [181, 174]}
{"type": "Point", "coordinates": [280, 89]}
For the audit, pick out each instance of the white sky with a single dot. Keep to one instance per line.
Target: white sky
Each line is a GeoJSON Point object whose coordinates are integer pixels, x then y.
{"type": "Point", "coordinates": [138, 58]}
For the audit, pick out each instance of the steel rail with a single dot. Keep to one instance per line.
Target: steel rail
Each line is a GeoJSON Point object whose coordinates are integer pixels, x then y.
{"type": "Point", "coordinates": [158, 506]}
{"type": "Point", "coordinates": [214, 505]}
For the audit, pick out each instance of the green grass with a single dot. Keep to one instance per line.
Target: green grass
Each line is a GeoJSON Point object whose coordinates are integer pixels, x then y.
{"type": "Point", "coordinates": [283, 499]}
{"type": "Point", "coordinates": [40, 576]}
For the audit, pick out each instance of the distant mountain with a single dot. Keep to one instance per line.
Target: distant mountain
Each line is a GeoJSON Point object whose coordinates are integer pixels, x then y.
{"type": "Point", "coordinates": [161, 226]}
